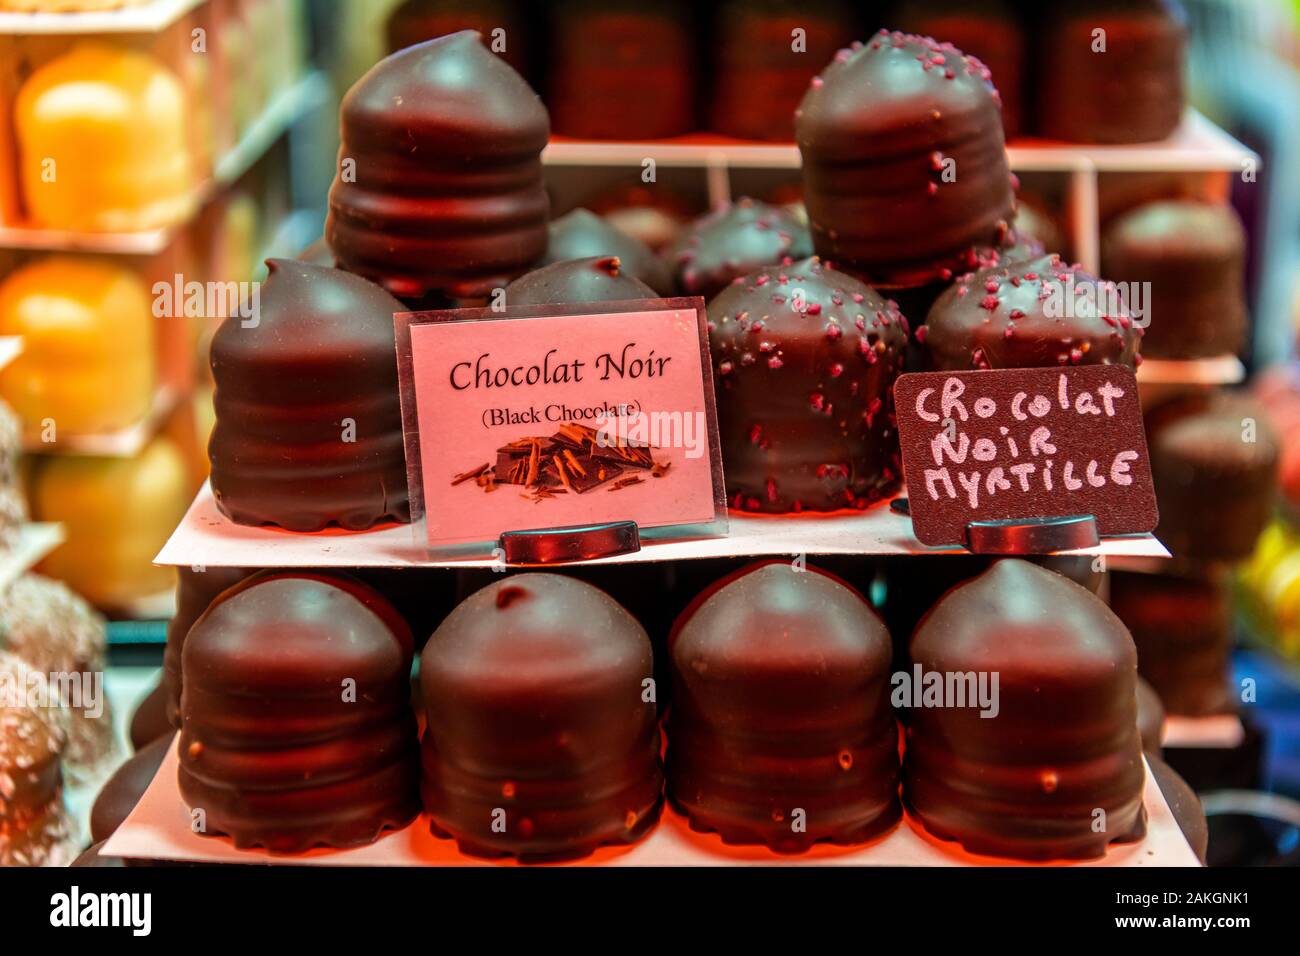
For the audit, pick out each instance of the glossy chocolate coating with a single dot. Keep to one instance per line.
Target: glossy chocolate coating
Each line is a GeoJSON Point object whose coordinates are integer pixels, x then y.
{"type": "Point", "coordinates": [150, 720]}
{"type": "Point", "coordinates": [904, 168]}
{"type": "Point", "coordinates": [1029, 314]}
{"type": "Point", "coordinates": [122, 791]}
{"type": "Point", "coordinates": [1025, 783]}
{"type": "Point", "coordinates": [622, 69]}
{"type": "Point", "coordinates": [595, 279]}
{"type": "Point", "coordinates": [988, 29]}
{"type": "Point", "coordinates": [722, 246]}
{"type": "Point", "coordinates": [447, 195]}
{"type": "Point", "coordinates": [1131, 93]}
{"type": "Point", "coordinates": [1150, 711]}
{"type": "Point", "coordinates": [804, 362]}
{"type": "Point", "coordinates": [195, 590]}
{"type": "Point", "coordinates": [321, 355]}
{"type": "Point", "coordinates": [780, 705]}
{"type": "Point", "coordinates": [297, 728]}
{"type": "Point", "coordinates": [760, 76]}
{"type": "Point", "coordinates": [1216, 490]}
{"type": "Point", "coordinates": [581, 234]}
{"type": "Point", "coordinates": [1182, 627]}
{"type": "Point", "coordinates": [533, 689]}
{"type": "Point", "coordinates": [1193, 254]}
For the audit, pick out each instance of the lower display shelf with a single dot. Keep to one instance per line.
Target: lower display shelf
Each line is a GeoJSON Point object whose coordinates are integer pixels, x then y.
{"type": "Point", "coordinates": [207, 538]}
{"type": "Point", "coordinates": [159, 829]}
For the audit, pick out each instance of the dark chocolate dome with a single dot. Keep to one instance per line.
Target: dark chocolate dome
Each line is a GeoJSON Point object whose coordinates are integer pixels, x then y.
{"type": "Point", "coordinates": [439, 187]}
{"type": "Point", "coordinates": [580, 234]}
{"type": "Point", "coordinates": [804, 362]}
{"type": "Point", "coordinates": [781, 731]}
{"type": "Point", "coordinates": [1029, 314]}
{"type": "Point", "coordinates": [320, 356]}
{"type": "Point", "coordinates": [297, 728]}
{"type": "Point", "coordinates": [1028, 782]}
{"type": "Point", "coordinates": [722, 246]}
{"type": "Point", "coordinates": [540, 739]}
{"type": "Point", "coordinates": [904, 167]}
{"type": "Point", "coordinates": [595, 279]}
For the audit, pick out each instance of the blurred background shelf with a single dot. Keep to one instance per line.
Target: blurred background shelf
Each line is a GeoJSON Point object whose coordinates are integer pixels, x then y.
{"type": "Point", "coordinates": [285, 110]}
{"type": "Point", "coordinates": [125, 443]}
{"type": "Point", "coordinates": [149, 17]}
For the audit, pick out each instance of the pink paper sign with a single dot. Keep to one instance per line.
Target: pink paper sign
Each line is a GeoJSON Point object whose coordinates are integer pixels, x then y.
{"type": "Point", "coordinates": [521, 421]}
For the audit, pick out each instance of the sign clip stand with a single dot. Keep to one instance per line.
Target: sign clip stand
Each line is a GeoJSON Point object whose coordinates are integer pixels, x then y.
{"type": "Point", "coordinates": [1032, 535]}
{"type": "Point", "coordinates": [573, 543]}
{"type": "Point", "coordinates": [1023, 535]}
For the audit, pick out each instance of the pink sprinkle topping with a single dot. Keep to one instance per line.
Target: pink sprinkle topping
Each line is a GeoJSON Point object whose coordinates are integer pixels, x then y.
{"type": "Point", "coordinates": [989, 302]}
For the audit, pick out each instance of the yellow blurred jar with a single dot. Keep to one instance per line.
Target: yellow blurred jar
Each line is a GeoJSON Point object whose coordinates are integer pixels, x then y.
{"type": "Point", "coordinates": [87, 365]}
{"type": "Point", "coordinates": [117, 514]}
{"type": "Point", "coordinates": [102, 142]}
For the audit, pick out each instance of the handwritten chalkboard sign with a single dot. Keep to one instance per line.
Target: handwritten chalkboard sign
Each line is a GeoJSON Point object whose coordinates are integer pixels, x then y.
{"type": "Point", "coordinates": [1009, 444]}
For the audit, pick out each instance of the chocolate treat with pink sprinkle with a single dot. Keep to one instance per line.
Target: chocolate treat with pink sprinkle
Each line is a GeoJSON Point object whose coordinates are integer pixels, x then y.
{"type": "Point", "coordinates": [727, 244]}
{"type": "Point", "coordinates": [904, 166]}
{"type": "Point", "coordinates": [1030, 314]}
{"type": "Point", "coordinates": [804, 361]}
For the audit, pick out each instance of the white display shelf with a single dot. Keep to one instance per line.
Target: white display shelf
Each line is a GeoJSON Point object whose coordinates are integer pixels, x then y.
{"type": "Point", "coordinates": [280, 114]}
{"type": "Point", "coordinates": [1197, 145]}
{"type": "Point", "coordinates": [207, 538]}
{"type": "Point", "coordinates": [151, 17]}
{"type": "Point", "coordinates": [35, 541]}
{"type": "Point", "coordinates": [124, 443]}
{"type": "Point", "coordinates": [159, 828]}
{"type": "Point", "coordinates": [1220, 370]}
